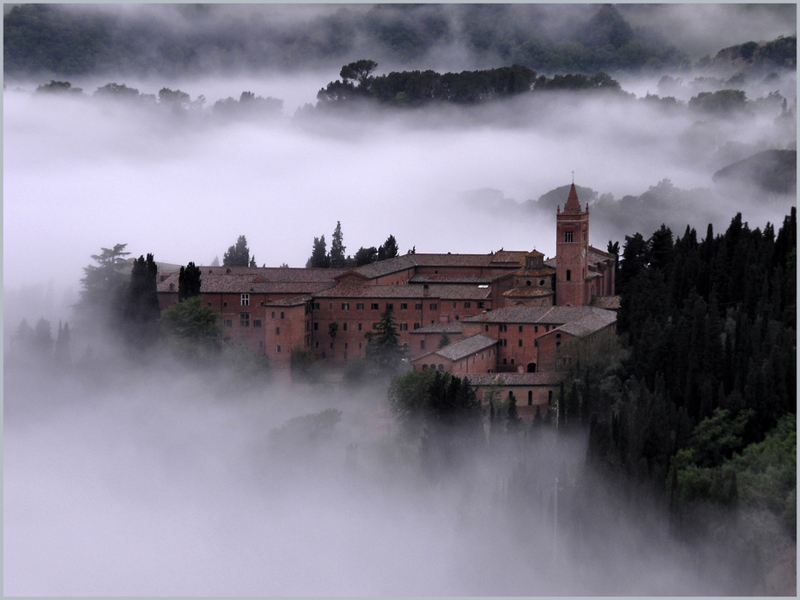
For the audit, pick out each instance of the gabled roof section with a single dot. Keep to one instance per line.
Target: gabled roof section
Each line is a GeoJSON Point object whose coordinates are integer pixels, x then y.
{"type": "Point", "coordinates": [463, 348]}
{"type": "Point", "coordinates": [386, 267]}
{"type": "Point", "coordinates": [528, 291]}
{"type": "Point", "coordinates": [588, 324]}
{"type": "Point", "coordinates": [453, 327]}
{"type": "Point", "coordinates": [508, 379]}
{"type": "Point", "coordinates": [544, 315]}
{"type": "Point", "coordinates": [417, 292]}
{"type": "Point", "coordinates": [259, 280]}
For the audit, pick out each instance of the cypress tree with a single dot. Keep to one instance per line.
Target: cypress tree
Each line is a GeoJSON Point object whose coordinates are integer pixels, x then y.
{"type": "Point", "coordinates": [336, 259]}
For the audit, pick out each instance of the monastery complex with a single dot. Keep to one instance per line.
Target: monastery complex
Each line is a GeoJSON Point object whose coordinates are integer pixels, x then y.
{"type": "Point", "coordinates": [511, 319]}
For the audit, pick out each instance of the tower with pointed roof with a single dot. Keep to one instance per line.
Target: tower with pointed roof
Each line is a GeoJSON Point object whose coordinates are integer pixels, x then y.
{"type": "Point", "coordinates": [572, 253]}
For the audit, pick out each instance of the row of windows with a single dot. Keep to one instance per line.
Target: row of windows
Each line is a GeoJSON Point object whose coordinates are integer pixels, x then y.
{"type": "Point", "coordinates": [390, 305]}
{"type": "Point", "coordinates": [568, 236]}
{"type": "Point", "coordinates": [504, 329]}
{"type": "Point", "coordinates": [375, 324]}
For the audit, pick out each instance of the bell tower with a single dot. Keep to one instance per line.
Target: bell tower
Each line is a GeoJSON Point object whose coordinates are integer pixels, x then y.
{"type": "Point", "coordinates": [572, 253]}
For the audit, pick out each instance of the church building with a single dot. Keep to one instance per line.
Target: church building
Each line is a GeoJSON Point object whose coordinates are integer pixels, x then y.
{"type": "Point", "coordinates": [509, 318]}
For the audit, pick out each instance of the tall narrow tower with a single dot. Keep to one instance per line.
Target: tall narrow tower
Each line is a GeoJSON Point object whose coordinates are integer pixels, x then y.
{"type": "Point", "coordinates": [572, 252]}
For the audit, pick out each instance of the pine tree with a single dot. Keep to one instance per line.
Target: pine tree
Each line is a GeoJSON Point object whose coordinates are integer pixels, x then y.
{"type": "Point", "coordinates": [319, 256]}
{"type": "Point", "coordinates": [337, 248]}
{"type": "Point", "coordinates": [383, 346]}
{"type": "Point", "coordinates": [141, 309]}
{"type": "Point", "coordinates": [103, 289]}
{"type": "Point", "coordinates": [189, 282]}
{"type": "Point", "coordinates": [389, 249]}
{"type": "Point", "coordinates": [237, 255]}
{"type": "Point", "coordinates": [61, 351]}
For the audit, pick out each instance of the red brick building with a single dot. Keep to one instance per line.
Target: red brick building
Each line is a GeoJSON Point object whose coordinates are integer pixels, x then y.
{"type": "Point", "coordinates": [506, 312]}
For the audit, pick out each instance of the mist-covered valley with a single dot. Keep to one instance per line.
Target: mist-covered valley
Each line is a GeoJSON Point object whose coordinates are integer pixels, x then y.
{"type": "Point", "coordinates": [144, 477]}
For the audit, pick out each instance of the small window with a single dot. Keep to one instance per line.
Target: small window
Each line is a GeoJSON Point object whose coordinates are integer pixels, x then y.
{"type": "Point", "coordinates": [316, 344]}
{"type": "Point", "coordinates": [359, 306]}
{"type": "Point", "coordinates": [345, 345]}
{"type": "Point", "coordinates": [520, 328]}
{"type": "Point", "coordinates": [535, 329]}
{"type": "Point", "coordinates": [389, 306]}
{"type": "Point", "coordinates": [359, 326]}
{"type": "Point", "coordinates": [278, 349]}
{"type": "Point", "coordinates": [281, 315]}
{"type": "Point", "coordinates": [416, 326]}
{"type": "Point", "coordinates": [505, 361]}
{"type": "Point", "coordinates": [316, 326]}
{"type": "Point", "coordinates": [224, 304]}
{"type": "Point", "coordinates": [422, 345]}
{"type": "Point", "coordinates": [520, 343]}
{"type": "Point", "coordinates": [256, 322]}
{"type": "Point", "coordinates": [434, 306]}
{"type": "Point", "coordinates": [374, 306]}
{"type": "Point", "coordinates": [344, 326]}
{"type": "Point", "coordinates": [316, 307]}
{"type": "Point", "coordinates": [505, 342]}
{"type": "Point", "coordinates": [273, 314]}
{"type": "Point", "coordinates": [345, 306]}
{"type": "Point", "coordinates": [330, 305]}
{"type": "Point", "coordinates": [480, 304]}
{"type": "Point", "coordinates": [277, 331]}
{"type": "Point", "coordinates": [244, 319]}
{"type": "Point", "coordinates": [418, 306]}
{"type": "Point", "coordinates": [568, 237]}
{"type": "Point", "coordinates": [375, 325]}
{"type": "Point", "coordinates": [228, 322]}
{"type": "Point", "coordinates": [403, 326]}
{"type": "Point", "coordinates": [541, 282]}
{"type": "Point", "coordinates": [530, 398]}
{"type": "Point", "coordinates": [245, 299]}
{"type": "Point", "coordinates": [569, 275]}
{"type": "Point", "coordinates": [486, 327]}
{"type": "Point", "coordinates": [403, 306]}
{"type": "Point", "coordinates": [467, 304]}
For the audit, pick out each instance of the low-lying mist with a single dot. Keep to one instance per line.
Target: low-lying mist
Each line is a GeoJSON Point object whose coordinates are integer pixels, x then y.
{"type": "Point", "coordinates": [81, 173]}
{"type": "Point", "coordinates": [155, 481]}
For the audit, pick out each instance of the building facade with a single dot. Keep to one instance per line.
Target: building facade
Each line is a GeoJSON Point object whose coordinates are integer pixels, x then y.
{"type": "Point", "coordinates": [500, 314]}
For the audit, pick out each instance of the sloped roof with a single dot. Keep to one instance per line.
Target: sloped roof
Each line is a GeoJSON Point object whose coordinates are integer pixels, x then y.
{"type": "Point", "coordinates": [449, 327]}
{"type": "Point", "coordinates": [588, 324]}
{"type": "Point", "coordinates": [297, 301]}
{"type": "Point", "coordinates": [528, 291]}
{"type": "Point", "coordinates": [606, 302]}
{"type": "Point", "coordinates": [555, 315]}
{"type": "Point", "coordinates": [475, 279]}
{"type": "Point", "coordinates": [487, 379]}
{"type": "Point", "coordinates": [417, 292]}
{"type": "Point", "coordinates": [272, 280]}
{"type": "Point", "coordinates": [468, 347]}
{"type": "Point", "coordinates": [384, 267]}
{"type": "Point", "coordinates": [572, 206]}
{"type": "Point", "coordinates": [543, 272]}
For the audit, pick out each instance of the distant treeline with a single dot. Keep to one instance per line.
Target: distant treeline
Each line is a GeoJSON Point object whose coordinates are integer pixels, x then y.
{"type": "Point", "coordinates": [200, 39]}
{"type": "Point", "coordinates": [414, 88]}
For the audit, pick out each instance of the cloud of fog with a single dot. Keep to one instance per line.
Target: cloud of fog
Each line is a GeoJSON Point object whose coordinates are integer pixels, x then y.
{"type": "Point", "coordinates": [152, 483]}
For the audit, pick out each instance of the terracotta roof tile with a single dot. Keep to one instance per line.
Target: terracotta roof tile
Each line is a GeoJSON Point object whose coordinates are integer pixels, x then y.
{"type": "Point", "coordinates": [468, 347]}
{"type": "Point", "coordinates": [434, 292]}
{"type": "Point", "coordinates": [528, 291]}
{"type": "Point", "coordinates": [449, 327]}
{"type": "Point", "coordinates": [557, 315]}
{"type": "Point", "coordinates": [487, 379]}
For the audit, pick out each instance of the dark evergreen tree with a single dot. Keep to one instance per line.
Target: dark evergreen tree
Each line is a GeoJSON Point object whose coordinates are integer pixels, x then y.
{"type": "Point", "coordinates": [141, 309]}
{"type": "Point", "coordinates": [366, 256]}
{"type": "Point", "coordinates": [43, 339]}
{"type": "Point", "coordinates": [189, 282]}
{"type": "Point", "coordinates": [319, 256]}
{"type": "Point", "coordinates": [237, 255]}
{"type": "Point", "coordinates": [103, 289]}
{"type": "Point", "coordinates": [389, 249]}
{"type": "Point", "coordinates": [61, 351]}
{"type": "Point", "coordinates": [337, 248]}
{"type": "Point", "coordinates": [383, 346]}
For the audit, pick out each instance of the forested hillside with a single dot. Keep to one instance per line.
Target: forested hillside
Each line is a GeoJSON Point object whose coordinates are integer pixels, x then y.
{"type": "Point", "coordinates": [193, 39]}
{"type": "Point", "coordinates": [700, 411]}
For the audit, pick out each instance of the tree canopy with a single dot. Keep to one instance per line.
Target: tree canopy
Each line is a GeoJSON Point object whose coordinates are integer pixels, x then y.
{"type": "Point", "coordinates": [237, 255]}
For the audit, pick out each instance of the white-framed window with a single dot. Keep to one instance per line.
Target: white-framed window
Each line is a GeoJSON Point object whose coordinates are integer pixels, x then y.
{"type": "Point", "coordinates": [245, 299]}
